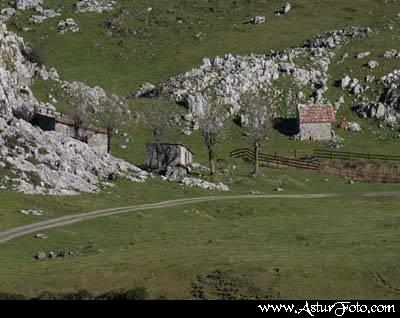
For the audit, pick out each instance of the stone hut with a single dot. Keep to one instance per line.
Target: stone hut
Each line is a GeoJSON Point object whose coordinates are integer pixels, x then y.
{"type": "Point", "coordinates": [315, 122]}
{"type": "Point", "coordinates": [50, 120]}
{"type": "Point", "coordinates": [172, 155]}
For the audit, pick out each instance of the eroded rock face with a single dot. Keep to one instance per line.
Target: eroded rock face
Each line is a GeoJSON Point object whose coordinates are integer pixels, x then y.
{"type": "Point", "coordinates": [43, 15]}
{"type": "Point", "coordinates": [38, 162]}
{"type": "Point", "coordinates": [15, 72]}
{"type": "Point", "coordinates": [232, 75]}
{"type": "Point", "coordinates": [94, 95]}
{"type": "Point", "coordinates": [27, 4]}
{"type": "Point", "coordinates": [49, 163]}
{"type": "Point", "coordinates": [97, 6]}
{"type": "Point", "coordinates": [6, 14]}
{"type": "Point", "coordinates": [195, 182]}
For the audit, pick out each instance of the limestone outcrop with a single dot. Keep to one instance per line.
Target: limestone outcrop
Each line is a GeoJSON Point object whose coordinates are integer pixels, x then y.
{"type": "Point", "coordinates": [38, 162]}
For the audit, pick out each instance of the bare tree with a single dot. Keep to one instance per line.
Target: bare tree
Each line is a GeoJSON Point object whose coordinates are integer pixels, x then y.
{"type": "Point", "coordinates": [111, 116]}
{"type": "Point", "coordinates": [258, 110]}
{"type": "Point", "coordinates": [211, 125]}
{"type": "Point", "coordinates": [157, 117]}
{"type": "Point", "coordinates": [80, 114]}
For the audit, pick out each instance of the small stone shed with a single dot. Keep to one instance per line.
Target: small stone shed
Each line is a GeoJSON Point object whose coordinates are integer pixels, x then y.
{"type": "Point", "coordinates": [315, 122]}
{"type": "Point", "coordinates": [172, 155]}
{"type": "Point", "coordinates": [49, 120]}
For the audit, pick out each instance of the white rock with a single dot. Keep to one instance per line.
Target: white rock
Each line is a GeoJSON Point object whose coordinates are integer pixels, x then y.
{"type": "Point", "coordinates": [372, 64]}
{"type": "Point", "coordinates": [287, 8]}
{"type": "Point", "coordinates": [362, 55]}
{"type": "Point", "coordinates": [258, 20]}
{"type": "Point", "coordinates": [194, 182]}
{"type": "Point", "coordinates": [354, 127]}
{"type": "Point", "coordinates": [96, 6]}
{"type": "Point", "coordinates": [27, 4]}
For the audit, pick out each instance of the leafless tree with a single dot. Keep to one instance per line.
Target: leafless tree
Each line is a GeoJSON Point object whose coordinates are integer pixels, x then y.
{"type": "Point", "coordinates": [212, 124]}
{"type": "Point", "coordinates": [258, 111]}
{"type": "Point", "coordinates": [112, 114]}
{"type": "Point", "coordinates": [80, 114]}
{"type": "Point", "coordinates": [157, 117]}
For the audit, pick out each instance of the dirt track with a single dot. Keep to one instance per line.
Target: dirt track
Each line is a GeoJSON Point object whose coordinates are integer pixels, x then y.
{"type": "Point", "coordinates": [10, 234]}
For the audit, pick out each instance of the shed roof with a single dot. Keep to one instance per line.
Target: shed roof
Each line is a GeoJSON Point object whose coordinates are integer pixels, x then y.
{"type": "Point", "coordinates": [316, 113]}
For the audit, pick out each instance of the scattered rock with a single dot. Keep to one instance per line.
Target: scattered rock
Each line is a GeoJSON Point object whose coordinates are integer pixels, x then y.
{"type": "Point", "coordinates": [175, 173]}
{"type": "Point", "coordinates": [41, 236]}
{"type": "Point", "coordinates": [40, 256]}
{"type": "Point", "coordinates": [287, 8]}
{"type": "Point", "coordinates": [96, 6]}
{"type": "Point", "coordinates": [194, 182]}
{"type": "Point", "coordinates": [372, 64]}
{"type": "Point", "coordinates": [52, 255]}
{"type": "Point", "coordinates": [43, 15]}
{"type": "Point", "coordinates": [345, 81]}
{"type": "Point", "coordinates": [279, 189]}
{"type": "Point", "coordinates": [258, 20]}
{"type": "Point", "coordinates": [146, 90]}
{"type": "Point", "coordinates": [391, 54]}
{"type": "Point", "coordinates": [6, 14]}
{"type": "Point", "coordinates": [353, 127]}
{"type": "Point", "coordinates": [369, 78]}
{"type": "Point", "coordinates": [362, 55]}
{"type": "Point", "coordinates": [32, 212]}
{"type": "Point", "coordinates": [28, 4]}
{"type": "Point", "coordinates": [68, 25]}
{"type": "Point", "coordinates": [339, 102]}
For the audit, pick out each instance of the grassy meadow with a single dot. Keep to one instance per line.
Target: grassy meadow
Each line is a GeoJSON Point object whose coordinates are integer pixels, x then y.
{"type": "Point", "coordinates": [278, 248]}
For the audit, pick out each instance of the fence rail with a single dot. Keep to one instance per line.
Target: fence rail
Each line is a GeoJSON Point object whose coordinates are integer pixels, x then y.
{"type": "Point", "coordinates": [317, 165]}
{"type": "Point", "coordinates": [249, 155]}
{"type": "Point", "coordinates": [332, 154]}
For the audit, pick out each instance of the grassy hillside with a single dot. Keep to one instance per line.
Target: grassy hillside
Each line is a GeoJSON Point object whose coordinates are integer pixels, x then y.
{"type": "Point", "coordinates": [266, 249]}
{"type": "Point", "coordinates": [329, 248]}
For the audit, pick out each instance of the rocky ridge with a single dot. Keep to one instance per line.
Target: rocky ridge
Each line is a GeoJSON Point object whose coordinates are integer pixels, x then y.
{"type": "Point", "coordinates": [232, 75]}
{"type": "Point", "coordinates": [38, 162]}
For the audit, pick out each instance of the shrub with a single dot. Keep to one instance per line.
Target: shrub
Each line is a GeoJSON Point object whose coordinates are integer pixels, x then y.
{"type": "Point", "coordinates": [138, 293]}
{"type": "Point", "coordinates": [7, 296]}
{"type": "Point", "coordinates": [80, 295]}
{"type": "Point", "coordinates": [46, 295]}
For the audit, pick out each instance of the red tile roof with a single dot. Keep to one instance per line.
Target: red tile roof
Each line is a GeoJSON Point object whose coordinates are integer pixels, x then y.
{"type": "Point", "coordinates": [310, 114]}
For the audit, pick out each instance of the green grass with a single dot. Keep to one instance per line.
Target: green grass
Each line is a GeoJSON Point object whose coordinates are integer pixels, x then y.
{"type": "Point", "coordinates": [165, 250]}
{"type": "Point", "coordinates": [165, 47]}
{"type": "Point", "coordinates": [312, 243]}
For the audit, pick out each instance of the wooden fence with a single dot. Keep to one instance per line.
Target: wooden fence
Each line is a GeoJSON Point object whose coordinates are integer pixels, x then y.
{"type": "Point", "coordinates": [314, 164]}
{"type": "Point", "coordinates": [249, 155]}
{"type": "Point", "coordinates": [349, 156]}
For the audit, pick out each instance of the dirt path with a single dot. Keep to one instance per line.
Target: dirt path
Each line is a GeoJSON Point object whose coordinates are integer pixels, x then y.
{"type": "Point", "coordinates": [70, 219]}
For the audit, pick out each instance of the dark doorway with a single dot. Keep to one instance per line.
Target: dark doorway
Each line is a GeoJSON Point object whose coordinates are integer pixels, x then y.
{"type": "Point", "coordinates": [286, 126]}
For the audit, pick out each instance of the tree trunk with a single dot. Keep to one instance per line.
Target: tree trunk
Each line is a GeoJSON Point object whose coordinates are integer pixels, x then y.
{"type": "Point", "coordinates": [211, 161]}
{"type": "Point", "coordinates": [256, 159]}
{"type": "Point", "coordinates": [77, 135]}
{"type": "Point", "coordinates": [109, 136]}
{"type": "Point", "coordinates": [159, 153]}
